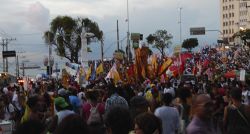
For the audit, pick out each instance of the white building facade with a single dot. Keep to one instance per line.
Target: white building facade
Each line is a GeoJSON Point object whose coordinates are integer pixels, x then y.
{"type": "Point", "coordinates": [234, 16]}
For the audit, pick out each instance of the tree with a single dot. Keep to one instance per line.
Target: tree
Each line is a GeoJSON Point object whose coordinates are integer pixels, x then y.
{"type": "Point", "coordinates": [160, 40]}
{"type": "Point", "coordinates": [65, 34]}
{"type": "Point", "coordinates": [244, 35]}
{"type": "Point", "coordinates": [190, 43]}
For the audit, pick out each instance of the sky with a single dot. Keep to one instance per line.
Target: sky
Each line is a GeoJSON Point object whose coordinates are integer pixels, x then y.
{"type": "Point", "coordinates": [26, 20]}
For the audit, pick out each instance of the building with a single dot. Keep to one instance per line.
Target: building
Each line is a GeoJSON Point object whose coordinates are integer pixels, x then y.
{"type": "Point", "coordinates": [234, 16]}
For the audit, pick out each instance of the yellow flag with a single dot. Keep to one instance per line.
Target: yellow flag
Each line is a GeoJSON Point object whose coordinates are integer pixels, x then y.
{"type": "Point", "coordinates": [165, 65]}
{"type": "Point", "coordinates": [113, 73]}
{"type": "Point", "coordinates": [88, 73]}
{"type": "Point", "coordinates": [99, 69]}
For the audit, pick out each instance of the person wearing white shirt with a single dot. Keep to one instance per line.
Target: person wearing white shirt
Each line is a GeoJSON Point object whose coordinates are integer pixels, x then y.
{"type": "Point", "coordinates": [168, 115]}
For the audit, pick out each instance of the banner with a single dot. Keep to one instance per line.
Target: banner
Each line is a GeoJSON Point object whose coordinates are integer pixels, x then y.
{"type": "Point", "coordinates": [242, 75]}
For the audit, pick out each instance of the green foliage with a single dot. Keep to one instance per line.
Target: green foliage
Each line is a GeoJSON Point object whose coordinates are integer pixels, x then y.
{"type": "Point", "coordinates": [65, 34]}
{"type": "Point", "coordinates": [244, 35]}
{"type": "Point", "coordinates": [160, 40]}
{"type": "Point", "coordinates": [190, 43]}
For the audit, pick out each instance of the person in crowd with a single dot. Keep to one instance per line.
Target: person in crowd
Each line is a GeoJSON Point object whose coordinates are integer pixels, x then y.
{"type": "Point", "coordinates": [138, 105]}
{"type": "Point", "coordinates": [218, 102]}
{"type": "Point", "coordinates": [169, 115]}
{"type": "Point", "coordinates": [245, 94]}
{"type": "Point", "coordinates": [92, 104]}
{"type": "Point", "coordinates": [114, 99]}
{"type": "Point", "coordinates": [72, 124]}
{"type": "Point", "coordinates": [201, 122]}
{"type": "Point", "coordinates": [153, 97]}
{"type": "Point", "coordinates": [184, 107]}
{"type": "Point", "coordinates": [74, 100]}
{"type": "Point", "coordinates": [17, 99]}
{"type": "Point", "coordinates": [169, 89]}
{"type": "Point", "coordinates": [237, 115]}
{"type": "Point", "coordinates": [2, 112]}
{"type": "Point", "coordinates": [9, 110]}
{"type": "Point", "coordinates": [118, 120]}
{"type": "Point", "coordinates": [35, 109]}
{"type": "Point", "coordinates": [31, 127]}
{"type": "Point", "coordinates": [147, 123]}
{"type": "Point", "coordinates": [62, 111]}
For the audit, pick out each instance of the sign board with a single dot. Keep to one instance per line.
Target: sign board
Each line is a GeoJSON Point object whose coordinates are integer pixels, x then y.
{"type": "Point", "coordinates": [220, 41]}
{"type": "Point", "coordinates": [135, 36]}
{"type": "Point", "coordinates": [9, 54]}
{"type": "Point", "coordinates": [242, 75]}
{"type": "Point", "coordinates": [197, 31]}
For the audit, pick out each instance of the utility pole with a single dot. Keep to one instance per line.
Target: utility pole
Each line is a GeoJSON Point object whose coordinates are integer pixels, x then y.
{"type": "Point", "coordinates": [117, 35]}
{"type": "Point", "coordinates": [128, 37]}
{"type": "Point", "coordinates": [3, 58]}
{"type": "Point", "coordinates": [50, 51]}
{"type": "Point", "coordinates": [180, 44]}
{"type": "Point", "coordinates": [5, 43]}
{"type": "Point", "coordinates": [102, 53]}
{"type": "Point", "coordinates": [180, 27]}
{"type": "Point", "coordinates": [17, 67]}
{"type": "Point", "coordinates": [23, 69]}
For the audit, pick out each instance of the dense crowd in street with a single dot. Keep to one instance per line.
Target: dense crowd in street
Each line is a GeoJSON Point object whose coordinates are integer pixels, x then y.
{"type": "Point", "coordinates": [212, 103]}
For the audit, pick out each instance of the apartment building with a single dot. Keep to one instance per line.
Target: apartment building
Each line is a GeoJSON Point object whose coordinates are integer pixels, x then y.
{"type": "Point", "coordinates": [234, 16]}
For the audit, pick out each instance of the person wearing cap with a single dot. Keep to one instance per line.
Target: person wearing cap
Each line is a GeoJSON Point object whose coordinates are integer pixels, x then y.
{"type": "Point", "coordinates": [62, 111]}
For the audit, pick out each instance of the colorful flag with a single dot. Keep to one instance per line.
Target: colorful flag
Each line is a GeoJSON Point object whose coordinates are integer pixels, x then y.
{"type": "Point", "coordinates": [99, 69]}
{"type": "Point", "coordinates": [165, 65]}
{"type": "Point", "coordinates": [88, 74]}
{"type": "Point", "coordinates": [113, 74]}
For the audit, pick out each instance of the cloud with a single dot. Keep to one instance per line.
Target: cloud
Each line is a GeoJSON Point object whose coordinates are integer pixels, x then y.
{"type": "Point", "coordinates": [38, 16]}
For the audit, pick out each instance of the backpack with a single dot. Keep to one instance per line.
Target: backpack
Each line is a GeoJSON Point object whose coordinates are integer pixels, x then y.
{"type": "Point", "coordinates": [95, 116]}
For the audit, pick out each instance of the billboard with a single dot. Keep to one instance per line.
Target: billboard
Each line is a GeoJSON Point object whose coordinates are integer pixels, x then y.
{"type": "Point", "coordinates": [8, 54]}
{"type": "Point", "coordinates": [197, 31]}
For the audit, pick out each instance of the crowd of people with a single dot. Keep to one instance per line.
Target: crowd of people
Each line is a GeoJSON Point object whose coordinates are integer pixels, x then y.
{"type": "Point", "coordinates": [149, 108]}
{"type": "Point", "coordinates": [211, 103]}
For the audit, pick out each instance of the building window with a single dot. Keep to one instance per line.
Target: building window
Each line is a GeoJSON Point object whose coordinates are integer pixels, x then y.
{"type": "Point", "coordinates": [229, 15]}
{"type": "Point", "coordinates": [229, 31]}
{"type": "Point", "coordinates": [232, 30]}
{"type": "Point", "coordinates": [232, 14]}
{"type": "Point", "coordinates": [232, 22]}
{"type": "Point", "coordinates": [226, 31]}
{"type": "Point", "coordinates": [232, 6]}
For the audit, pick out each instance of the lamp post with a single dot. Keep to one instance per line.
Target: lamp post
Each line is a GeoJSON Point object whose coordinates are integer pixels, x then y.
{"type": "Point", "coordinates": [180, 26]}
{"type": "Point", "coordinates": [128, 35]}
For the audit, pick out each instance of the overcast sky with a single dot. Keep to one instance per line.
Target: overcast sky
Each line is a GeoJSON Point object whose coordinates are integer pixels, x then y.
{"type": "Point", "coordinates": [26, 20]}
